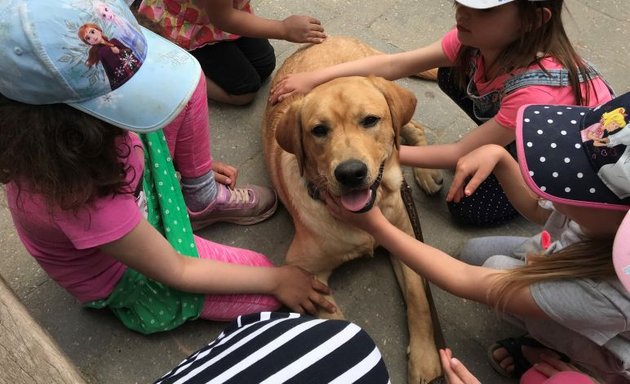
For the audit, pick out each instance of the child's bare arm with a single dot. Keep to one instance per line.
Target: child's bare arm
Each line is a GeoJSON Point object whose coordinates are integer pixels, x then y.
{"type": "Point", "coordinates": [445, 156]}
{"type": "Point", "coordinates": [148, 252]}
{"type": "Point", "coordinates": [475, 167]}
{"type": "Point", "coordinates": [295, 28]}
{"type": "Point", "coordinates": [389, 66]}
{"type": "Point", "coordinates": [461, 279]}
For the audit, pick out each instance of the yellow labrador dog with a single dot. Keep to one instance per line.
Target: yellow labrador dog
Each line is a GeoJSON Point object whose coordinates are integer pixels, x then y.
{"type": "Point", "coordinates": [342, 138]}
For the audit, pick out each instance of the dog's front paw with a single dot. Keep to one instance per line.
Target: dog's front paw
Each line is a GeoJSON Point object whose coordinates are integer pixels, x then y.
{"type": "Point", "coordinates": [430, 180]}
{"type": "Point", "coordinates": [423, 372]}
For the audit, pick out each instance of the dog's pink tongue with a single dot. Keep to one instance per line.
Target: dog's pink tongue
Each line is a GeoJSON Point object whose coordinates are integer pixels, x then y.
{"type": "Point", "coordinates": [356, 200]}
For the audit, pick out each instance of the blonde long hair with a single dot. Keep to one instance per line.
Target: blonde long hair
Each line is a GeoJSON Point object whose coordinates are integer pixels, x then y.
{"type": "Point", "coordinates": [590, 259]}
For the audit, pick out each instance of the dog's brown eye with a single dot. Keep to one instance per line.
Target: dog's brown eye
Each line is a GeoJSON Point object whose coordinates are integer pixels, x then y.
{"type": "Point", "coordinates": [320, 130]}
{"type": "Point", "coordinates": [370, 121]}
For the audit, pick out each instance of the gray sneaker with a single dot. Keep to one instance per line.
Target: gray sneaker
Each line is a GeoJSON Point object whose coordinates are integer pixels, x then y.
{"type": "Point", "coordinates": [244, 206]}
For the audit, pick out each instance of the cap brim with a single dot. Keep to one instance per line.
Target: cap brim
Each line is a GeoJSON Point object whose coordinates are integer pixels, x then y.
{"type": "Point", "coordinates": [621, 252]}
{"type": "Point", "coordinates": [156, 93]}
{"type": "Point", "coordinates": [552, 160]}
{"type": "Point", "coordinates": [482, 4]}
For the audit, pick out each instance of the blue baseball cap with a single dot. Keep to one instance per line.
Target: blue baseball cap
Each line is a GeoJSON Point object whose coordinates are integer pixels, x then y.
{"type": "Point", "coordinates": [93, 56]}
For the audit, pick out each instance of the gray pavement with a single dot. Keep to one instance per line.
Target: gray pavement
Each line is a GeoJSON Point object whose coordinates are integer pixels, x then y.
{"type": "Point", "coordinates": [106, 352]}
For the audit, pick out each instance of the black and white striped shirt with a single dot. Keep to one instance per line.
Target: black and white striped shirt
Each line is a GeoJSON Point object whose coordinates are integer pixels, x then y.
{"type": "Point", "coordinates": [273, 347]}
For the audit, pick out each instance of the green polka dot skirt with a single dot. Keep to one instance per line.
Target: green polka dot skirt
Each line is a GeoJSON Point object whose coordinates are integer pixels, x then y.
{"type": "Point", "coordinates": [144, 305]}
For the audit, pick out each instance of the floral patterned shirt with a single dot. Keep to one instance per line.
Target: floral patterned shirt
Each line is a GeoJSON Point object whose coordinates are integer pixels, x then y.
{"type": "Point", "coordinates": [186, 24]}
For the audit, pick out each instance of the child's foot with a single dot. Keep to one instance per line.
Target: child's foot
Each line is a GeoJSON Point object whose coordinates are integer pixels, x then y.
{"type": "Point", "coordinates": [511, 357]}
{"type": "Point", "coordinates": [243, 206]}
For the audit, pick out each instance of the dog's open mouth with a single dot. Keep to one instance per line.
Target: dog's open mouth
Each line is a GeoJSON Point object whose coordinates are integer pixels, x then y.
{"type": "Point", "coordinates": [360, 201]}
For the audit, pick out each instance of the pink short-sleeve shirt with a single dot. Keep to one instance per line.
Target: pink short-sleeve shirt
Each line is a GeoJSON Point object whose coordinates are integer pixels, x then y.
{"type": "Point", "coordinates": [66, 244]}
{"type": "Point", "coordinates": [532, 94]}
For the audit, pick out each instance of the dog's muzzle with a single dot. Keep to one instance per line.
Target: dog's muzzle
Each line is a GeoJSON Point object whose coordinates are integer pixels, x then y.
{"type": "Point", "coordinates": [351, 175]}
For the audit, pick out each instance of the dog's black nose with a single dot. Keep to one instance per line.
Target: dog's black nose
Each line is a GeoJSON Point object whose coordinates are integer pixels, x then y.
{"type": "Point", "coordinates": [351, 173]}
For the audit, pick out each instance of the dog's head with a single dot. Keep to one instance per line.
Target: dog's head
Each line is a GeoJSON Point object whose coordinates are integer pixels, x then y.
{"type": "Point", "coordinates": [344, 134]}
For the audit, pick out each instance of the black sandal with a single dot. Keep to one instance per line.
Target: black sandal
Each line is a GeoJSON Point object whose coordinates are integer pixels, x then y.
{"type": "Point", "coordinates": [513, 347]}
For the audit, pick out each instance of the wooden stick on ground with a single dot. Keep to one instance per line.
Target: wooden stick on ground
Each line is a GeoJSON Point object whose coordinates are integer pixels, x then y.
{"type": "Point", "coordinates": [27, 352]}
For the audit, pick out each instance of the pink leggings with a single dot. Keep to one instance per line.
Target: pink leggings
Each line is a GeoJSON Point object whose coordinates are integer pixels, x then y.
{"type": "Point", "coordinates": [188, 139]}
{"type": "Point", "coordinates": [228, 307]}
{"type": "Point", "coordinates": [532, 376]}
{"type": "Point", "coordinates": [188, 135]}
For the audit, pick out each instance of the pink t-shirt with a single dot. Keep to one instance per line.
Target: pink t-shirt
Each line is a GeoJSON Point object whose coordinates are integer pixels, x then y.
{"type": "Point", "coordinates": [65, 243]}
{"type": "Point", "coordinates": [532, 94]}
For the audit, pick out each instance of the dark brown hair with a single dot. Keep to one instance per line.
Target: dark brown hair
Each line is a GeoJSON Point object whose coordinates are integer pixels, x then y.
{"type": "Point", "coordinates": [67, 156]}
{"type": "Point", "coordinates": [550, 39]}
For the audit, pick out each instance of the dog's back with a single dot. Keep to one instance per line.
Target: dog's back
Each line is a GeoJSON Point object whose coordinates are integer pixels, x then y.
{"type": "Point", "coordinates": [333, 50]}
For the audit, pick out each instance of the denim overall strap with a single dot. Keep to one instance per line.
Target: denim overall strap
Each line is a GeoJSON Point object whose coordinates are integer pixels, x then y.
{"type": "Point", "coordinates": [485, 106]}
{"type": "Point", "coordinates": [552, 77]}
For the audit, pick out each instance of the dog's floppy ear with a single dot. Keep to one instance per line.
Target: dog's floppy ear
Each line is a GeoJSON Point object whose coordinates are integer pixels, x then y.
{"type": "Point", "coordinates": [289, 132]}
{"type": "Point", "coordinates": [402, 103]}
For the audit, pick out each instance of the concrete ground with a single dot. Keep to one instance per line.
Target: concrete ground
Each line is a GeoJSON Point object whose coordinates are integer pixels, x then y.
{"type": "Point", "coordinates": [106, 352]}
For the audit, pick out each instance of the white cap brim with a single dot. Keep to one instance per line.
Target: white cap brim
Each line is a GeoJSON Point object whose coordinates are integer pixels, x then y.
{"type": "Point", "coordinates": [482, 4]}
